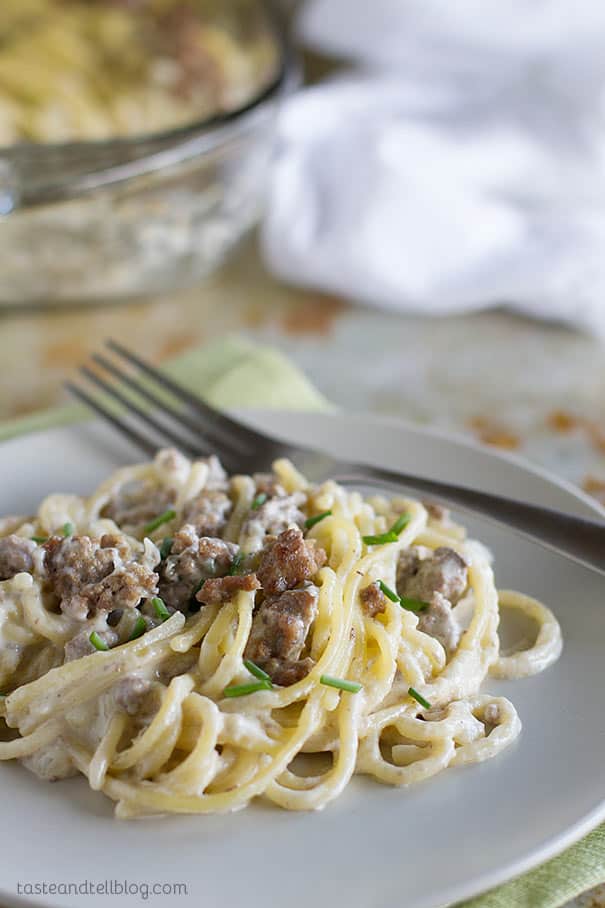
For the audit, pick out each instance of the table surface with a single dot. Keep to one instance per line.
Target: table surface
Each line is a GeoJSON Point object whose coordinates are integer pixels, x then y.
{"type": "Point", "coordinates": [525, 386]}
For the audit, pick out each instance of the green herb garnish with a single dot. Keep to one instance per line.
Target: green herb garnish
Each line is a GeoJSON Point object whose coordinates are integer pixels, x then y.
{"type": "Point", "coordinates": [165, 547]}
{"type": "Point", "coordinates": [380, 540]}
{"type": "Point", "coordinates": [353, 687]}
{"type": "Point", "coordinates": [413, 605]}
{"type": "Point", "coordinates": [39, 539]}
{"type": "Point", "coordinates": [388, 592]}
{"type": "Point", "coordinates": [236, 564]}
{"type": "Point", "coordinates": [258, 501]}
{"type": "Point", "coordinates": [68, 529]}
{"type": "Point", "coordinates": [159, 608]}
{"type": "Point", "coordinates": [138, 629]}
{"type": "Point", "coordinates": [257, 671]}
{"type": "Point", "coordinates": [400, 524]}
{"type": "Point", "coordinates": [98, 642]}
{"type": "Point", "coordinates": [419, 698]}
{"type": "Point", "coordinates": [311, 521]}
{"type": "Point", "coordinates": [391, 534]}
{"type": "Point", "coordinates": [241, 690]}
{"type": "Point", "coordinates": [166, 517]}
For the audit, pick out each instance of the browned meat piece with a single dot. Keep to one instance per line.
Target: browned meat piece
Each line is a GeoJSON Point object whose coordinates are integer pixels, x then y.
{"type": "Point", "coordinates": [440, 622]}
{"type": "Point", "coordinates": [285, 672]}
{"type": "Point", "coordinates": [208, 512]}
{"type": "Point", "coordinates": [137, 502]}
{"type": "Point", "coordinates": [373, 600]}
{"type": "Point", "coordinates": [89, 576]}
{"type": "Point", "coordinates": [191, 561]}
{"type": "Point", "coordinates": [222, 589]}
{"type": "Point", "coordinates": [15, 556]}
{"type": "Point", "coordinates": [289, 561]}
{"type": "Point", "coordinates": [443, 572]}
{"type": "Point", "coordinates": [268, 484]}
{"type": "Point", "coordinates": [279, 631]}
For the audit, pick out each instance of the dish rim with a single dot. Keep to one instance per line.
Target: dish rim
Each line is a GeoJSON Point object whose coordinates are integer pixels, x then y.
{"type": "Point", "coordinates": [554, 845]}
{"type": "Point", "coordinates": [162, 148]}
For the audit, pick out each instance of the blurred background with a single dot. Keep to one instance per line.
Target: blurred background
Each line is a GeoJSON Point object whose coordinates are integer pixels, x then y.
{"type": "Point", "coordinates": [407, 202]}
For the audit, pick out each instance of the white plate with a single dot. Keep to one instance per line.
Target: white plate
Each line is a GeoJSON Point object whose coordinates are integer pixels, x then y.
{"type": "Point", "coordinates": [432, 844]}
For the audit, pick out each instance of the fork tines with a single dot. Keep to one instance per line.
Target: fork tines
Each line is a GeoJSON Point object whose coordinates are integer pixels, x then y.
{"type": "Point", "coordinates": [153, 410]}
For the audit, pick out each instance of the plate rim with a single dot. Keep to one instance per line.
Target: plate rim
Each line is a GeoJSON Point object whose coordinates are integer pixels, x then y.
{"type": "Point", "coordinates": [553, 846]}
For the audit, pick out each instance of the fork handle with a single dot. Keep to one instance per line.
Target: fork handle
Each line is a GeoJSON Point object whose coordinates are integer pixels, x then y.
{"type": "Point", "coordinates": [577, 538]}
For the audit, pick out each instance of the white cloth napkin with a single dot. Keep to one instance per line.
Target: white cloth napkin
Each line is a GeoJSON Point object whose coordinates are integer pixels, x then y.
{"type": "Point", "coordinates": [458, 163]}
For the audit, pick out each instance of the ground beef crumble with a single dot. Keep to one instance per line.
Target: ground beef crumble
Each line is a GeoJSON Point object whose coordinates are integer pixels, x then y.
{"type": "Point", "coordinates": [208, 512]}
{"type": "Point", "coordinates": [289, 561]}
{"type": "Point", "coordinates": [15, 556]}
{"type": "Point", "coordinates": [373, 600]}
{"type": "Point", "coordinates": [219, 590]}
{"type": "Point", "coordinates": [279, 631]}
{"type": "Point", "coordinates": [445, 572]}
{"type": "Point", "coordinates": [89, 575]}
{"type": "Point", "coordinates": [439, 580]}
{"type": "Point", "coordinates": [192, 560]}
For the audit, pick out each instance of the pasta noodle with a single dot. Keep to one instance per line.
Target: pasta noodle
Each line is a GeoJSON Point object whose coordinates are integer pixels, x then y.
{"type": "Point", "coordinates": [73, 70]}
{"type": "Point", "coordinates": [178, 718]}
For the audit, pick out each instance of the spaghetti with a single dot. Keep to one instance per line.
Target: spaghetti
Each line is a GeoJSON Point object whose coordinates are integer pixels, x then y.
{"type": "Point", "coordinates": [301, 634]}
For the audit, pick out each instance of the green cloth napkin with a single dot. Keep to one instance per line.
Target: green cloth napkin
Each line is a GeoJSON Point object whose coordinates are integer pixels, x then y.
{"type": "Point", "coordinates": [231, 373]}
{"type": "Point", "coordinates": [235, 373]}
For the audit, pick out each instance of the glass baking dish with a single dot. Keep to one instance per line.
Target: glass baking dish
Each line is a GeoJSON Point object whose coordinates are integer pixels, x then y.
{"type": "Point", "coordinates": [94, 221]}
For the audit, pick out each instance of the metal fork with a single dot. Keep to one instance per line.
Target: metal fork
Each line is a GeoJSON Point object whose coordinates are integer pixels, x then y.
{"type": "Point", "coordinates": [179, 417]}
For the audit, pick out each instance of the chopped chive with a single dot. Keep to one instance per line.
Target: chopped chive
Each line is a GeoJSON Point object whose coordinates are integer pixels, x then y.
{"type": "Point", "coordinates": [165, 547]}
{"type": "Point", "coordinates": [97, 641]}
{"type": "Point", "coordinates": [258, 501]}
{"type": "Point", "coordinates": [240, 690]}
{"type": "Point", "coordinates": [39, 539]}
{"type": "Point", "coordinates": [166, 517]}
{"type": "Point", "coordinates": [139, 628]}
{"type": "Point", "coordinates": [388, 592]}
{"type": "Point", "coordinates": [68, 529]}
{"type": "Point", "coordinates": [353, 687]}
{"type": "Point", "coordinates": [381, 539]}
{"type": "Point", "coordinates": [413, 605]}
{"type": "Point", "coordinates": [391, 534]}
{"type": "Point", "coordinates": [400, 524]}
{"type": "Point", "coordinates": [311, 521]}
{"type": "Point", "coordinates": [236, 564]}
{"type": "Point", "coordinates": [419, 698]}
{"type": "Point", "coordinates": [159, 608]}
{"type": "Point", "coordinates": [257, 671]}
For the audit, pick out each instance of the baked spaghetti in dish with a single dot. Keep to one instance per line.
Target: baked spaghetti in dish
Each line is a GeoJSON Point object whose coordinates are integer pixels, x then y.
{"type": "Point", "coordinates": [189, 641]}
{"type": "Point", "coordinates": [90, 70]}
